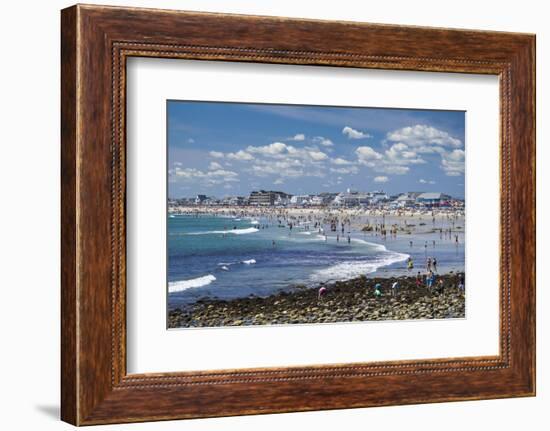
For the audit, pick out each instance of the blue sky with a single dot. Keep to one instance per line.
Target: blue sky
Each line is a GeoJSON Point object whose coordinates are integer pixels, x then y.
{"type": "Point", "coordinates": [225, 149]}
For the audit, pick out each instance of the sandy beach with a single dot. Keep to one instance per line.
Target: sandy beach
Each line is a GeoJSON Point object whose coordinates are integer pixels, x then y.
{"type": "Point", "coordinates": [415, 220]}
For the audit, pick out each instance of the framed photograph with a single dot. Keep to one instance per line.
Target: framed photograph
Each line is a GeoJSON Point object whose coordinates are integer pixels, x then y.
{"type": "Point", "coordinates": [264, 215]}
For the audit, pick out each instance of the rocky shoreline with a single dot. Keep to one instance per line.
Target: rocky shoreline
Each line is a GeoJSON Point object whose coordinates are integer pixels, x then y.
{"type": "Point", "coordinates": [344, 301]}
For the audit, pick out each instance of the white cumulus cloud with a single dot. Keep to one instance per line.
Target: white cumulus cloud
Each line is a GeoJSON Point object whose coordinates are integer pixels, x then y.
{"type": "Point", "coordinates": [214, 166]}
{"type": "Point", "coordinates": [367, 155]}
{"type": "Point", "coordinates": [346, 170]}
{"type": "Point", "coordinates": [381, 179]}
{"type": "Point", "coordinates": [351, 133]}
{"type": "Point", "coordinates": [409, 143]}
{"type": "Point", "coordinates": [240, 156]}
{"type": "Point", "coordinates": [210, 177]}
{"type": "Point", "coordinates": [273, 149]}
{"type": "Point", "coordinates": [216, 154]}
{"type": "Point", "coordinates": [323, 141]}
{"type": "Point", "coordinates": [341, 162]}
{"type": "Point", "coordinates": [298, 137]}
{"type": "Point", "coordinates": [422, 135]}
{"type": "Point", "coordinates": [453, 163]}
{"type": "Point", "coordinates": [317, 155]}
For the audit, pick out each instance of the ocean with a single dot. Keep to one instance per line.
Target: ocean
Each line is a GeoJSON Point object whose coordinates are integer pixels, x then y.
{"type": "Point", "coordinates": [224, 257]}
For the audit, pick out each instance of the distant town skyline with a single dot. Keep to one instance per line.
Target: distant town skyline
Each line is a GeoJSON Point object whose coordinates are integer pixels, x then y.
{"type": "Point", "coordinates": [230, 149]}
{"type": "Point", "coordinates": [322, 192]}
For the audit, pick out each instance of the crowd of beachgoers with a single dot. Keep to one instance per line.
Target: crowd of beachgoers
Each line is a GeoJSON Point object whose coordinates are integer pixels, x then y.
{"type": "Point", "coordinates": [423, 288]}
{"type": "Point", "coordinates": [409, 220]}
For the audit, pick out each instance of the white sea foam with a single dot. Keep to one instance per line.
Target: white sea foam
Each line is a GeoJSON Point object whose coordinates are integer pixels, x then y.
{"type": "Point", "coordinates": [380, 247]}
{"type": "Point", "coordinates": [249, 261]}
{"type": "Point", "coordinates": [179, 286]}
{"type": "Point", "coordinates": [352, 269]}
{"type": "Point", "coordinates": [254, 222]}
{"type": "Point", "coordinates": [229, 231]}
{"type": "Point", "coordinates": [224, 268]}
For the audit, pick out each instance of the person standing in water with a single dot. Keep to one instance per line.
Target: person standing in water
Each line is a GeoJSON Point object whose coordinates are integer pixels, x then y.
{"type": "Point", "coordinates": [434, 264]}
{"type": "Point", "coordinates": [410, 264]}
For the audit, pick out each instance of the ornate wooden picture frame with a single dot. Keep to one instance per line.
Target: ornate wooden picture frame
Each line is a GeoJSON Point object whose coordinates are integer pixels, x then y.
{"type": "Point", "coordinates": [96, 41]}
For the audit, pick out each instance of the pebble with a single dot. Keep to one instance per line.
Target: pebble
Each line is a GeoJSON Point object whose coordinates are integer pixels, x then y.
{"type": "Point", "coordinates": [345, 301]}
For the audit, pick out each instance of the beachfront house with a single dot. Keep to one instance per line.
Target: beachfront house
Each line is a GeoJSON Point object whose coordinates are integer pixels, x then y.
{"type": "Point", "coordinates": [234, 201]}
{"type": "Point", "coordinates": [327, 197]}
{"type": "Point", "coordinates": [317, 200]}
{"type": "Point", "coordinates": [282, 199]}
{"type": "Point", "coordinates": [406, 200]}
{"type": "Point", "coordinates": [377, 197]}
{"type": "Point", "coordinates": [267, 198]}
{"type": "Point", "coordinates": [352, 198]}
{"type": "Point", "coordinates": [433, 199]}
{"type": "Point", "coordinates": [300, 200]}
{"type": "Point", "coordinates": [200, 199]}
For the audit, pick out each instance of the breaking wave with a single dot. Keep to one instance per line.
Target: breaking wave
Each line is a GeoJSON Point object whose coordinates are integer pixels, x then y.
{"type": "Point", "coordinates": [179, 286]}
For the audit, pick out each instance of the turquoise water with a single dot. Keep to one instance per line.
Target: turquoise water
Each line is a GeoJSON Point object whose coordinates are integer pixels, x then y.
{"type": "Point", "coordinates": [224, 257]}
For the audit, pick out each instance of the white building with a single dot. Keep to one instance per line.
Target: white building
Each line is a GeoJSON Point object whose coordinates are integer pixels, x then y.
{"type": "Point", "coordinates": [406, 199]}
{"type": "Point", "coordinates": [435, 199]}
{"type": "Point", "coordinates": [317, 200]}
{"type": "Point", "coordinates": [351, 199]}
{"type": "Point", "coordinates": [300, 200]}
{"type": "Point", "coordinates": [377, 197]}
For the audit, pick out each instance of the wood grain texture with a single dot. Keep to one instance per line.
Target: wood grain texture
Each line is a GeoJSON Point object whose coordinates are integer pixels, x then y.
{"type": "Point", "coordinates": [69, 366]}
{"type": "Point", "coordinates": [96, 41]}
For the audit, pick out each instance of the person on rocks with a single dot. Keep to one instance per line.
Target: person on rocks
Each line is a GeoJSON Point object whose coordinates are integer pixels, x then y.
{"type": "Point", "coordinates": [322, 292]}
{"type": "Point", "coordinates": [440, 286]}
{"type": "Point", "coordinates": [394, 288]}
{"type": "Point", "coordinates": [430, 280]}
{"type": "Point", "coordinates": [377, 289]}
{"type": "Point", "coordinates": [461, 282]}
{"type": "Point", "coordinates": [418, 280]}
